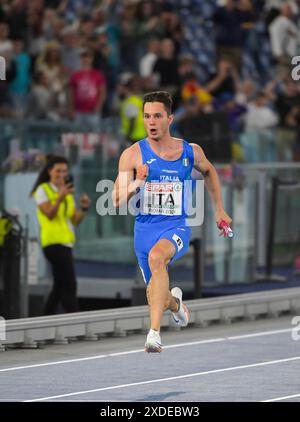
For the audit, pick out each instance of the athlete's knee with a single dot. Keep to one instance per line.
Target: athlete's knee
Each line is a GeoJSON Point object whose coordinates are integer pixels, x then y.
{"type": "Point", "coordinates": [156, 260]}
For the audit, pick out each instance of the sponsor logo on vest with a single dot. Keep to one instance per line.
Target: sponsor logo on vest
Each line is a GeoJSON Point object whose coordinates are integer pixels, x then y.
{"type": "Point", "coordinates": [170, 171]}
{"type": "Point", "coordinates": [151, 161]}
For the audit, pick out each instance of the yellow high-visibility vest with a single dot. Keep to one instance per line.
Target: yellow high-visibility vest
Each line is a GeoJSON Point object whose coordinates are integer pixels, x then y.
{"type": "Point", "coordinates": [5, 226]}
{"type": "Point", "coordinates": [59, 230]}
{"type": "Point", "coordinates": [138, 131]}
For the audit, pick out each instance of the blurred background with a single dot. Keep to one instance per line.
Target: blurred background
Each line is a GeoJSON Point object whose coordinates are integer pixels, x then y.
{"type": "Point", "coordinates": [228, 66]}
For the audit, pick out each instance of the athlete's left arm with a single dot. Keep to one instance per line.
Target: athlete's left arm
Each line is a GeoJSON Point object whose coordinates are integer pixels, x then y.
{"type": "Point", "coordinates": [211, 178]}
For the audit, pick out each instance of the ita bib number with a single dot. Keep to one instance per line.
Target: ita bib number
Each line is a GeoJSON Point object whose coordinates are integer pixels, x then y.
{"type": "Point", "coordinates": [163, 198]}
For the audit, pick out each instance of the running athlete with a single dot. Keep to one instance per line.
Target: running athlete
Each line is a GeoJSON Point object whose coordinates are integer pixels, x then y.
{"type": "Point", "coordinates": [157, 167]}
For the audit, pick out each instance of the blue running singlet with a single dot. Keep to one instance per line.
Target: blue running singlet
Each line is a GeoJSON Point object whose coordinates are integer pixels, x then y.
{"type": "Point", "coordinates": [163, 204]}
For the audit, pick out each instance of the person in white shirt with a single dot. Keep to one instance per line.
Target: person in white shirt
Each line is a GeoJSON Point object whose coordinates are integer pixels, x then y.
{"type": "Point", "coordinates": [284, 36]}
{"type": "Point", "coordinates": [258, 140]}
{"type": "Point", "coordinates": [148, 60]}
{"type": "Point", "coordinates": [259, 116]}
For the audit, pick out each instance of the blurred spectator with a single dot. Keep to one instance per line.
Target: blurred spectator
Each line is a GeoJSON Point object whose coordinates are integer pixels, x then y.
{"type": "Point", "coordinates": [229, 20]}
{"type": "Point", "coordinates": [87, 92]}
{"type": "Point", "coordinates": [148, 25]}
{"type": "Point", "coordinates": [57, 28]}
{"type": "Point", "coordinates": [106, 58]}
{"type": "Point", "coordinates": [6, 106]}
{"type": "Point", "coordinates": [107, 40]}
{"type": "Point", "coordinates": [148, 61]}
{"type": "Point", "coordinates": [259, 115]}
{"type": "Point", "coordinates": [225, 80]}
{"type": "Point", "coordinates": [106, 61]}
{"type": "Point", "coordinates": [17, 19]}
{"type": "Point", "coordinates": [166, 67]}
{"type": "Point", "coordinates": [2, 13]}
{"type": "Point", "coordinates": [86, 30]}
{"type": "Point", "coordinates": [248, 19]}
{"type": "Point", "coordinates": [288, 102]}
{"type": "Point", "coordinates": [42, 101]}
{"type": "Point", "coordinates": [284, 36]}
{"type": "Point", "coordinates": [200, 124]}
{"type": "Point", "coordinates": [185, 66]}
{"type": "Point", "coordinates": [190, 110]}
{"type": "Point", "coordinates": [6, 45]}
{"type": "Point", "coordinates": [185, 70]}
{"type": "Point", "coordinates": [227, 104]}
{"type": "Point", "coordinates": [293, 119]}
{"type": "Point", "coordinates": [54, 4]}
{"type": "Point", "coordinates": [19, 86]}
{"type": "Point", "coordinates": [50, 63]}
{"type": "Point", "coordinates": [128, 40]}
{"type": "Point", "coordinates": [272, 8]}
{"type": "Point", "coordinates": [49, 18]}
{"type": "Point", "coordinates": [246, 92]}
{"type": "Point", "coordinates": [131, 108]}
{"type": "Point", "coordinates": [70, 49]}
{"type": "Point", "coordinates": [36, 38]}
{"type": "Point", "coordinates": [76, 8]}
{"type": "Point", "coordinates": [192, 88]}
{"type": "Point", "coordinates": [172, 25]}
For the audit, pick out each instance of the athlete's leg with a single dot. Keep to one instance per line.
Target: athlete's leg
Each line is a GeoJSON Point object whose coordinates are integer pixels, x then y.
{"type": "Point", "coordinates": [169, 305]}
{"type": "Point", "coordinates": [158, 292]}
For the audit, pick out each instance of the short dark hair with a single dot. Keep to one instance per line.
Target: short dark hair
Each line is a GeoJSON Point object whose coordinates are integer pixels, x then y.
{"type": "Point", "coordinates": [159, 97]}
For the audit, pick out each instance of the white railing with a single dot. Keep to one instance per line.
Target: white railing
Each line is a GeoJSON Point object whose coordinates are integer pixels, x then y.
{"type": "Point", "coordinates": [28, 332]}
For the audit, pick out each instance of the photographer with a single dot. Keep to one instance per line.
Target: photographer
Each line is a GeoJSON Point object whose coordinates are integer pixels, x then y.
{"type": "Point", "coordinates": [57, 215]}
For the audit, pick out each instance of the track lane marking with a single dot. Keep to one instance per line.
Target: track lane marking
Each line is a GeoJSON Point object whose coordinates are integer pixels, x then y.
{"type": "Point", "coordinates": [196, 374]}
{"type": "Point", "coordinates": [281, 398]}
{"type": "Point", "coordinates": [193, 343]}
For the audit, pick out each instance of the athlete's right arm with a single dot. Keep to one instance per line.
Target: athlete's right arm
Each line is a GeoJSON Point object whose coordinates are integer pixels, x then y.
{"type": "Point", "coordinates": [125, 184]}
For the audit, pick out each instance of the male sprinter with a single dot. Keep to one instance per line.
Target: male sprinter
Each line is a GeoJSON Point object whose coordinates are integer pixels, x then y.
{"type": "Point", "coordinates": [161, 164]}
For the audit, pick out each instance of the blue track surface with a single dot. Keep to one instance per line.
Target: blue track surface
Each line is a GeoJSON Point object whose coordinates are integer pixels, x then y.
{"type": "Point", "coordinates": [254, 361]}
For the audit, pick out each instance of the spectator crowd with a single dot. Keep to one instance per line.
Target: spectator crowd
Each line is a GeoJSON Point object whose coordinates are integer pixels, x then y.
{"type": "Point", "coordinates": [85, 59]}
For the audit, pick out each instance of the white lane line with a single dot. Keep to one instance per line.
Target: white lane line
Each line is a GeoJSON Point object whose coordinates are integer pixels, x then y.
{"type": "Point", "coordinates": [194, 343]}
{"type": "Point", "coordinates": [196, 374]}
{"type": "Point", "coordinates": [281, 398]}
{"type": "Point", "coordinates": [38, 365]}
{"type": "Point", "coordinates": [264, 333]}
{"type": "Point", "coordinates": [59, 362]}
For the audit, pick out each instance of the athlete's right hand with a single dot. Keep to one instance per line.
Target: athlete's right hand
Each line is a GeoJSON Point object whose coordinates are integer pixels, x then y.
{"type": "Point", "coordinates": [142, 172]}
{"type": "Point", "coordinates": [65, 190]}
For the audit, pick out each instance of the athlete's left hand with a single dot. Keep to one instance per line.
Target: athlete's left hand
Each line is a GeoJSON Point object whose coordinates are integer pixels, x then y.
{"type": "Point", "coordinates": [222, 215]}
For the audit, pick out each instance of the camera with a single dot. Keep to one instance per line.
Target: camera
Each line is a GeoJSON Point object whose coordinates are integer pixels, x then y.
{"type": "Point", "coordinates": [69, 180]}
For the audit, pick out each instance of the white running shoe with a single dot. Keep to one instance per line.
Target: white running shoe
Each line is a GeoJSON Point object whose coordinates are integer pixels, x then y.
{"type": "Point", "coordinates": [153, 342]}
{"type": "Point", "coordinates": [182, 316]}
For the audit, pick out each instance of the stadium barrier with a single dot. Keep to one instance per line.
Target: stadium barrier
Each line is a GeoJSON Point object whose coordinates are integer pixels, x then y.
{"type": "Point", "coordinates": [60, 329]}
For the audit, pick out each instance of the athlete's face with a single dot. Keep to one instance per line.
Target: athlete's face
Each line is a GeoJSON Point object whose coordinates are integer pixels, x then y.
{"type": "Point", "coordinates": [156, 120]}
